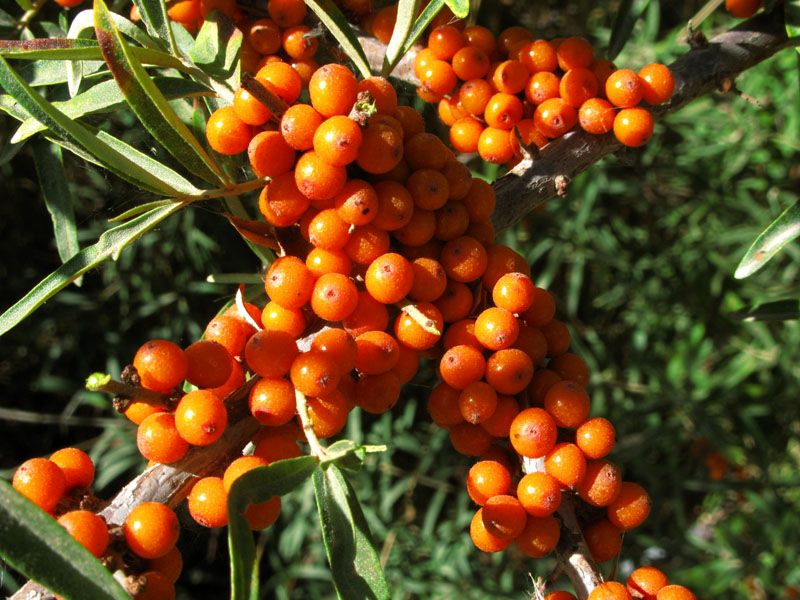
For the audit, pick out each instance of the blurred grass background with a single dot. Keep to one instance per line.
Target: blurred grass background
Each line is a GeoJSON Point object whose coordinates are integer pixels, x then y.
{"type": "Point", "coordinates": [640, 256]}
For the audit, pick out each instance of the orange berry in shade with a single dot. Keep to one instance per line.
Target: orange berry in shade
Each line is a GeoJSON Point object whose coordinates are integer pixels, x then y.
{"type": "Point", "coordinates": [480, 37]}
{"type": "Point", "coordinates": [389, 278]}
{"type": "Point", "coordinates": [333, 89]}
{"type": "Point", "coordinates": [430, 280]}
{"type": "Point", "coordinates": [631, 507]}
{"type": "Point", "coordinates": [741, 9]}
{"type": "Point", "coordinates": [538, 55]}
{"type": "Point", "coordinates": [554, 117]}
{"type": "Point", "coordinates": [604, 540]}
{"type": "Point", "coordinates": [462, 365]}
{"type": "Point", "coordinates": [41, 481]}
{"type": "Point", "coordinates": [269, 154]}
{"type": "Point", "coordinates": [487, 478]}
{"type": "Point", "coordinates": [499, 424]}
{"type": "Point", "coordinates": [89, 530]}
{"type": "Point", "coordinates": [276, 444]}
{"type": "Point", "coordinates": [577, 86]}
{"type": "Point", "coordinates": [328, 415]}
{"type": "Point", "coordinates": [496, 328]}
{"type": "Point", "coordinates": [465, 134]}
{"type": "Point", "coordinates": [376, 352]}
{"type": "Point", "coordinates": [289, 282]}
{"type": "Point", "coordinates": [443, 406]}
{"type": "Point", "coordinates": [234, 382]}
{"type": "Point", "coordinates": [407, 364]}
{"type": "Point", "coordinates": [570, 366]}
{"type": "Point", "coordinates": [559, 595]}
{"type": "Point", "coordinates": [337, 140]}
{"type": "Point", "coordinates": [504, 517]}
{"type": "Point", "coordinates": [511, 37]}
{"type": "Point", "coordinates": [287, 13]}
{"type": "Point", "coordinates": [509, 371]}
{"type": "Point", "coordinates": [317, 179]}
{"type": "Point", "coordinates": [645, 582]}
{"type": "Point", "coordinates": [272, 401]}
{"type": "Point", "coordinates": [557, 336]}
{"type": "Point", "coordinates": [299, 42]}
{"type": "Point", "coordinates": [151, 529]}
{"type": "Point", "coordinates": [201, 417]}
{"type": "Point", "coordinates": [540, 384]}
{"type": "Point", "coordinates": [315, 374]}
{"type": "Point", "coordinates": [209, 364]}
{"type": "Point", "coordinates": [452, 221]}
{"type": "Point", "coordinates": [264, 36]}
{"type": "Point", "coordinates": [541, 87]}
{"type": "Point", "coordinates": [484, 540]}
{"type": "Point", "coordinates": [501, 260]}
{"type": "Point", "coordinates": [533, 343]}
{"type": "Point", "coordinates": [76, 465]}
{"type": "Point", "coordinates": [158, 439]}
{"type": "Point", "coordinates": [378, 393]}
{"type": "Point", "coordinates": [249, 109]}
{"type": "Point", "coordinates": [369, 315]}
{"type": "Point", "coordinates": [539, 537]}
{"type": "Point", "coordinates": [566, 463]}
{"type": "Point", "coordinates": [161, 365]}
{"type": "Point", "coordinates": [428, 188]}
{"type": "Point", "coordinates": [624, 88]}
{"type": "Point", "coordinates": [568, 403]}
{"type": "Point", "coordinates": [658, 84]}
{"type": "Point", "coordinates": [339, 345]}
{"type": "Point", "coordinates": [298, 125]}
{"type": "Point", "coordinates": [574, 53]}
{"type": "Point", "coordinates": [539, 493]}
{"type": "Point", "coordinates": [477, 402]}
{"type": "Point", "coordinates": [227, 133]}
{"type": "Point", "coordinates": [602, 483]}
{"type": "Point", "coordinates": [633, 127]}
{"type": "Point", "coordinates": [596, 116]}
{"type": "Point", "coordinates": [412, 334]}
{"type": "Point", "coordinates": [455, 303]}
{"type": "Point", "coordinates": [610, 590]}
{"type": "Point", "coordinates": [469, 439]}
{"type": "Point", "coordinates": [675, 592]}
{"type": "Point", "coordinates": [470, 62]}
{"type": "Point", "coordinates": [542, 310]}
{"type": "Point", "coordinates": [169, 566]}
{"type": "Point", "coordinates": [533, 433]}
{"type": "Point", "coordinates": [208, 502]}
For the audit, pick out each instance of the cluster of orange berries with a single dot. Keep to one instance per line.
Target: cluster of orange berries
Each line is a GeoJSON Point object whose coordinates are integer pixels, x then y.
{"type": "Point", "coordinates": [497, 94]}
{"type": "Point", "coordinates": [145, 544]}
{"type": "Point", "coordinates": [645, 583]}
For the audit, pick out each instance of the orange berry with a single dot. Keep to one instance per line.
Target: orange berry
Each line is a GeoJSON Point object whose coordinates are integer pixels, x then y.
{"type": "Point", "coordinates": [443, 407]}
{"type": "Point", "coordinates": [369, 315]}
{"type": "Point", "coordinates": [158, 439]}
{"type": "Point", "coordinates": [567, 464]}
{"type": "Point", "coordinates": [378, 393]}
{"type": "Point", "coordinates": [539, 493]}
{"type": "Point", "coordinates": [675, 592]}
{"type": "Point", "coordinates": [633, 127]}
{"type": "Point", "coordinates": [337, 140]}
{"type": "Point", "coordinates": [596, 116]}
{"type": "Point", "coordinates": [89, 530]}
{"type": "Point", "coordinates": [504, 517]}
{"type": "Point", "coordinates": [430, 280]}
{"type": "Point", "coordinates": [381, 147]}
{"type": "Point", "coordinates": [201, 418]}
{"type": "Point", "coordinates": [281, 79]}
{"type": "Point", "coordinates": [334, 297]}
{"type": "Point", "coordinates": [646, 581]}
{"type": "Point", "coordinates": [76, 465]}
{"type": "Point", "coordinates": [542, 308]}
{"type": "Point", "coordinates": [557, 336]}
{"type": "Point", "coordinates": [464, 259]}
{"type": "Point", "coordinates": [249, 109]}
{"type": "Point", "coordinates": [477, 402]}
{"type": "Point", "coordinates": [151, 529]}
{"type": "Point", "coordinates": [570, 366]}
{"type": "Point", "coordinates": [262, 515]}
{"type": "Point", "coordinates": [658, 84]}
{"type": "Point", "coordinates": [269, 154]}
{"type": "Point", "coordinates": [272, 401]}
{"type": "Point", "coordinates": [611, 590]}
{"type": "Point", "coordinates": [289, 320]}
{"type": "Point", "coordinates": [455, 303]}
{"type": "Point", "coordinates": [503, 111]}
{"type": "Point", "coordinates": [501, 260]}
{"type": "Point", "coordinates": [315, 374]}
{"type": "Point", "coordinates": [462, 365]}
{"type": "Point", "coordinates": [139, 411]}
{"type": "Point", "coordinates": [209, 364]}
{"type": "Point", "coordinates": [407, 365]}
{"type": "Point", "coordinates": [499, 424]}
{"type": "Point", "coordinates": [470, 63]}
{"type": "Point", "coordinates": [452, 221]}
{"type": "Point", "coordinates": [264, 36]}
{"type": "Point", "coordinates": [208, 502]}
{"type": "Point", "coordinates": [487, 478]}
{"type": "Point", "coordinates": [602, 483]}
{"type": "Point", "coordinates": [389, 278]}
{"type": "Point", "coordinates": [469, 439]}
{"type": "Point", "coordinates": [437, 78]}
{"type": "Point", "coordinates": [494, 145]}
{"type": "Point", "coordinates": [539, 537]}
{"type": "Point", "coordinates": [376, 352]}
{"type": "Point", "coordinates": [631, 507]}
{"type": "Point", "coordinates": [339, 345]}
{"type": "Point", "coordinates": [412, 335]}
{"type": "Point", "coordinates": [559, 595]}
{"type": "Point", "coordinates": [445, 41]}
{"type": "Point", "coordinates": [333, 89]}
{"type": "Point", "coordinates": [509, 371]}
{"type": "Point", "coordinates": [357, 202]}
{"type": "Point", "coordinates": [320, 261]}
{"type": "Point", "coordinates": [428, 188]}
{"type": "Point", "coordinates": [511, 37]}
{"type": "Point", "coordinates": [299, 43]}
{"type": "Point", "coordinates": [289, 282]}
{"type": "Point", "coordinates": [541, 87]}
{"type": "Point", "coordinates": [568, 403]}
{"type": "Point", "coordinates": [577, 86]}
{"type": "Point", "coordinates": [287, 13]}
{"type": "Point", "coordinates": [328, 415]}
{"type": "Point", "coordinates": [513, 292]}
{"type": "Point", "coordinates": [227, 133]}
{"type": "Point", "coordinates": [298, 125]}
{"type": "Point", "coordinates": [281, 202]}
{"type": "Point", "coordinates": [533, 343]}
{"type": "Point", "coordinates": [474, 96]}
{"type": "Point", "coordinates": [510, 77]}
{"type": "Point", "coordinates": [533, 433]}
{"type": "Point", "coordinates": [538, 56]}
{"type": "Point", "coordinates": [480, 37]}
{"type": "Point", "coordinates": [483, 539]}
{"type": "Point", "coordinates": [604, 541]}
{"type": "Point", "coordinates": [624, 88]}
{"type": "Point", "coordinates": [554, 117]}
{"type": "Point", "coordinates": [276, 444]}
{"type": "Point", "coordinates": [542, 381]}
{"type": "Point", "coordinates": [317, 179]}
{"type": "Point", "coordinates": [239, 467]}
{"type": "Point", "coordinates": [161, 365]}
{"type": "Point", "coordinates": [465, 134]}
{"type": "Point", "coordinates": [169, 566]}
{"type": "Point", "coordinates": [496, 328]}
{"type": "Point", "coordinates": [574, 53]}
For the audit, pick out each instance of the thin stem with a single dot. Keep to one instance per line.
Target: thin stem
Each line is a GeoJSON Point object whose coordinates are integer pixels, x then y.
{"type": "Point", "coordinates": [26, 19]}
{"type": "Point", "coordinates": [100, 382]}
{"type": "Point", "coordinates": [308, 429]}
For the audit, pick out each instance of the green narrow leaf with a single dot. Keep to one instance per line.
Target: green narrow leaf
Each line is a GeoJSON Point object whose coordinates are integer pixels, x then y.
{"type": "Point", "coordinates": [354, 560]}
{"type": "Point", "coordinates": [258, 485]}
{"type": "Point", "coordinates": [217, 46]}
{"type": "Point", "coordinates": [79, 135]}
{"type": "Point", "coordinates": [460, 8]}
{"type": "Point", "coordinates": [406, 11]}
{"type": "Point", "coordinates": [154, 15]}
{"type": "Point", "coordinates": [148, 103]}
{"type": "Point", "coordinates": [337, 24]}
{"type": "Point", "coordinates": [33, 542]}
{"type": "Point", "coordinates": [629, 12]}
{"type": "Point", "coordinates": [780, 310]}
{"type": "Point", "coordinates": [421, 24]}
{"type": "Point", "coordinates": [57, 198]}
{"type": "Point", "coordinates": [109, 245]}
{"type": "Point", "coordinates": [50, 49]}
{"type": "Point", "coordinates": [779, 233]}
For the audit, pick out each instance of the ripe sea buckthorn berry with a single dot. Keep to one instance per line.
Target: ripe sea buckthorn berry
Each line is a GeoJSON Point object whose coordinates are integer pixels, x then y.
{"type": "Point", "coordinates": [201, 418]}
{"type": "Point", "coordinates": [381, 148]}
{"type": "Point", "coordinates": [389, 278]}
{"type": "Point", "coordinates": [424, 57]}
{"type": "Point", "coordinates": [383, 93]}
{"type": "Point", "coordinates": [333, 89]}
{"type": "Point", "coordinates": [533, 343]}
{"type": "Point", "coordinates": [675, 592]}
{"type": "Point", "coordinates": [369, 315]}
{"type": "Point", "coordinates": [161, 365]}
{"type": "Point", "coordinates": [239, 467]}
{"type": "Point", "coordinates": [185, 12]}
{"type": "Point", "coordinates": [559, 595]}
{"type": "Point", "coordinates": [538, 55]}
{"type": "Point", "coordinates": [484, 540]}
{"type": "Point", "coordinates": [76, 465]}
{"type": "Point", "coordinates": [462, 365]}
{"type": "Point", "coordinates": [541, 87]}
{"type": "Point", "coordinates": [410, 120]}
{"type": "Point", "coordinates": [376, 352]}
{"type": "Point", "coordinates": [249, 109]}
{"type": "Point", "coordinates": [235, 381]}
{"type": "Point", "coordinates": [503, 111]}
{"type": "Point", "coordinates": [568, 403]}
{"type": "Point", "coordinates": [158, 439]}
{"type": "Point", "coordinates": [437, 78]}
{"type": "Point", "coordinates": [477, 402]}
{"type": "Point", "coordinates": [299, 42]}
{"type": "Point", "coordinates": [470, 62]}
{"type": "Point", "coordinates": [337, 140]}
{"type": "Point", "coordinates": [289, 282]}
{"type": "Point", "coordinates": [298, 125]}
{"type": "Point", "coordinates": [428, 188]}
{"type": "Point", "coordinates": [511, 37]}
{"type": "Point", "coordinates": [480, 37]}
{"type": "Point", "coordinates": [412, 335]}
{"type": "Point", "coordinates": [480, 201]}
{"type": "Point", "coordinates": [407, 364]}
{"type": "Point", "coordinates": [317, 179]}
{"type": "Point", "coordinates": [574, 53]}
{"type": "Point", "coordinates": [282, 80]}
{"type": "Point", "coordinates": [320, 261]}
{"type": "Point", "coordinates": [327, 230]}
{"type": "Point", "coordinates": [458, 178]}
{"type": "Point", "coordinates": [445, 41]}
{"type": "Point", "coordinates": [151, 530]}
{"type": "Point", "coordinates": [611, 590]}
{"type": "Point", "coordinates": [208, 502]}
{"type": "Point", "coordinates": [657, 83]}
{"type": "Point", "coordinates": [539, 493]}
{"type": "Point", "coordinates": [281, 202]}
{"type": "Point", "coordinates": [513, 292]}
{"type": "Point", "coordinates": [227, 7]}
{"type": "Point", "coordinates": [533, 433]}
{"type": "Point", "coordinates": [539, 537]}
{"type": "Point", "coordinates": [602, 483]}
{"type": "Point", "coordinates": [542, 309]}
{"type": "Point", "coordinates": [315, 374]}
{"type": "Point", "coordinates": [41, 481]}
{"type": "Point", "coordinates": [455, 303]}
{"type": "Point", "coordinates": [743, 9]}
{"type": "Point", "coordinates": [509, 371]}
{"type": "Point", "coordinates": [139, 411]}
{"type": "Point", "coordinates": [567, 464]}
{"type": "Point", "coordinates": [419, 230]}
{"type": "Point", "coordinates": [227, 133]}
{"type": "Point", "coordinates": [496, 328]}
{"type": "Point", "coordinates": [631, 507]}
{"type": "Point", "coordinates": [378, 393]}
{"type": "Point", "coordinates": [287, 13]}
{"type": "Point", "coordinates": [596, 116]}
{"type": "Point", "coordinates": [264, 36]}
{"type": "Point", "coordinates": [426, 151]}
{"type": "Point", "coordinates": [465, 135]}
{"type": "Point", "coordinates": [504, 517]}
{"type": "Point", "coordinates": [264, 514]}
{"type": "Point", "coordinates": [501, 260]}
{"type": "Point", "coordinates": [443, 406]}
{"type": "Point", "coordinates": [542, 381]}
{"type": "Point", "coordinates": [464, 259]}
{"type": "Point", "coordinates": [383, 23]}
{"type": "Point", "coordinates": [604, 541]}
{"type": "Point", "coordinates": [209, 364]}
{"type": "Point", "coordinates": [646, 581]}
{"type": "Point", "coordinates": [499, 424]}
{"type": "Point", "coordinates": [430, 280]}
{"type": "Point", "coordinates": [269, 154]}
{"type": "Point", "coordinates": [328, 415]}
{"type": "Point", "coordinates": [469, 439]}
{"type": "Point", "coordinates": [510, 77]}
{"type": "Point", "coordinates": [452, 221]}
{"type": "Point", "coordinates": [633, 127]}
{"type": "Point", "coordinates": [276, 444]}
{"type": "Point", "coordinates": [289, 320]}
{"type": "Point", "coordinates": [474, 95]}
{"type": "Point", "coordinates": [272, 401]}
{"type": "Point", "coordinates": [89, 530]}
{"type": "Point", "coordinates": [339, 344]}
{"type": "Point", "coordinates": [577, 86]}
{"type": "Point", "coordinates": [557, 336]}
{"type": "Point", "coordinates": [169, 566]}
{"type": "Point", "coordinates": [624, 88]}
{"type": "Point", "coordinates": [570, 366]}
{"type": "Point", "coordinates": [554, 117]}
{"type": "Point", "coordinates": [487, 478]}
{"type": "Point", "coordinates": [357, 203]}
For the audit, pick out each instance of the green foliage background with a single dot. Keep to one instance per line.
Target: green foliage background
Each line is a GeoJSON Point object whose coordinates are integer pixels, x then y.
{"type": "Point", "coordinates": [640, 256]}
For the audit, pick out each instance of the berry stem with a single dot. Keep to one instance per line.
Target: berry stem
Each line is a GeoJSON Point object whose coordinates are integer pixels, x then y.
{"type": "Point", "coordinates": [102, 382]}
{"type": "Point", "coordinates": [29, 15]}
{"type": "Point", "coordinates": [302, 409]}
